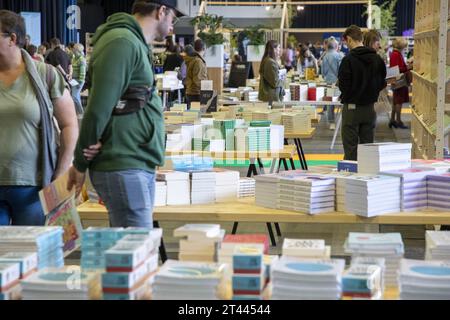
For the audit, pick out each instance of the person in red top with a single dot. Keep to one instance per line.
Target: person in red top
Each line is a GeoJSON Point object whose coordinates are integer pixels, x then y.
{"type": "Point", "coordinates": [401, 95]}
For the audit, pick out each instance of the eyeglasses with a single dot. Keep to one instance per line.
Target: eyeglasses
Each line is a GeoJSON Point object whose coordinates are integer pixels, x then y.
{"type": "Point", "coordinates": [175, 19]}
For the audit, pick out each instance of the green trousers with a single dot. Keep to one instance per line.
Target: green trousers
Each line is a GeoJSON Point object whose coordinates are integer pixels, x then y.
{"type": "Point", "coordinates": [358, 127]}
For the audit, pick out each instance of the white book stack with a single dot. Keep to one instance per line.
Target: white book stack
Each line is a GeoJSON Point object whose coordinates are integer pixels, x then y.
{"type": "Point", "coordinates": [251, 96]}
{"type": "Point", "coordinates": [200, 242]}
{"type": "Point", "coordinates": [438, 188]}
{"type": "Point", "coordinates": [380, 262]}
{"type": "Point", "coordinates": [323, 169]}
{"type": "Point", "coordinates": [174, 142]}
{"type": "Point", "coordinates": [266, 190]}
{"type": "Point", "coordinates": [437, 245]}
{"type": "Point", "coordinates": [67, 283]}
{"type": "Point", "coordinates": [246, 187]}
{"type": "Point", "coordinates": [413, 187]}
{"type": "Point", "coordinates": [181, 280]}
{"type": "Point", "coordinates": [424, 280]}
{"type": "Point", "coordinates": [311, 279]}
{"type": "Point", "coordinates": [276, 138]}
{"type": "Point", "coordinates": [227, 185]}
{"type": "Point", "coordinates": [378, 245]}
{"type": "Point", "coordinates": [131, 265]}
{"type": "Point", "coordinates": [47, 242]}
{"type": "Point", "coordinates": [362, 282]}
{"type": "Point", "coordinates": [296, 122]}
{"type": "Point", "coordinates": [178, 186]}
{"type": "Point", "coordinates": [341, 183]}
{"type": "Point", "coordinates": [374, 158]}
{"type": "Point", "coordinates": [203, 184]}
{"type": "Point", "coordinates": [307, 193]}
{"type": "Point", "coordinates": [306, 248]}
{"type": "Point", "coordinates": [441, 166]}
{"type": "Point", "coordinates": [370, 196]}
{"type": "Point", "coordinates": [160, 194]}
{"type": "Point", "coordinates": [9, 280]}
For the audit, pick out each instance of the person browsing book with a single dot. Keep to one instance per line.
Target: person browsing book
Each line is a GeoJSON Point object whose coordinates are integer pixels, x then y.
{"type": "Point", "coordinates": [125, 113]}
{"type": "Point", "coordinates": [361, 77]}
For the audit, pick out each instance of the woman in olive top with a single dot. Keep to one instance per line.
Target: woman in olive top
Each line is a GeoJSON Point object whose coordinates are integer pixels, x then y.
{"type": "Point", "coordinates": [31, 93]}
{"type": "Point", "coordinates": [270, 84]}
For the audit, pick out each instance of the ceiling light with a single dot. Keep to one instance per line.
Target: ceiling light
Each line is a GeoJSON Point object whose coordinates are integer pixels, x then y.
{"type": "Point", "coordinates": [267, 8]}
{"type": "Point", "coordinates": [300, 8]}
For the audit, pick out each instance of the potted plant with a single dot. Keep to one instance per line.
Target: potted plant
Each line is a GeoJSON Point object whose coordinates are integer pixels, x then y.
{"type": "Point", "coordinates": [209, 30]}
{"type": "Point", "coordinates": [257, 41]}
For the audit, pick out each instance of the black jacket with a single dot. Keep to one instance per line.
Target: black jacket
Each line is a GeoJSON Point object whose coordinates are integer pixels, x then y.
{"type": "Point", "coordinates": [362, 75]}
{"type": "Point", "coordinates": [172, 62]}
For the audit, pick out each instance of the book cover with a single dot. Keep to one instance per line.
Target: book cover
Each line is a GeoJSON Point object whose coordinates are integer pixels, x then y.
{"type": "Point", "coordinates": [53, 195]}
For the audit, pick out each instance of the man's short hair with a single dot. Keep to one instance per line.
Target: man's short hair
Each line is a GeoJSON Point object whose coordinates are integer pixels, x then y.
{"type": "Point", "coordinates": [55, 42]}
{"type": "Point", "coordinates": [353, 32]}
{"type": "Point", "coordinates": [199, 45]}
{"type": "Point", "coordinates": [11, 22]}
{"type": "Point", "coordinates": [144, 7]}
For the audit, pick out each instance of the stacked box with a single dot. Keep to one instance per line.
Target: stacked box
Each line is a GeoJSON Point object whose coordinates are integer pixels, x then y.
{"type": "Point", "coordinates": [131, 265]}
{"type": "Point", "coordinates": [47, 242]}
{"type": "Point", "coordinates": [249, 273]}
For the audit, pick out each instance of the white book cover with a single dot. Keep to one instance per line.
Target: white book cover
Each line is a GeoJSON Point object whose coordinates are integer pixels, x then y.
{"type": "Point", "coordinates": [320, 270]}
{"type": "Point", "coordinates": [9, 273]}
{"type": "Point", "coordinates": [171, 175]}
{"type": "Point", "coordinates": [304, 247]}
{"type": "Point", "coordinates": [67, 279]}
{"type": "Point", "coordinates": [195, 273]}
{"type": "Point", "coordinates": [434, 239]}
{"type": "Point", "coordinates": [374, 240]}
{"type": "Point", "coordinates": [434, 273]}
{"type": "Point", "coordinates": [383, 147]}
{"type": "Point", "coordinates": [198, 230]}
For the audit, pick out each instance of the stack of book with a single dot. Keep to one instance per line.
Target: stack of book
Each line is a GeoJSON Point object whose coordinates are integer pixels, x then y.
{"type": "Point", "coordinates": [297, 122]}
{"type": "Point", "coordinates": [67, 283]}
{"type": "Point", "coordinates": [370, 196]}
{"type": "Point", "coordinates": [94, 242]}
{"type": "Point", "coordinates": [178, 186]}
{"type": "Point", "coordinates": [276, 138]}
{"type": "Point", "coordinates": [130, 268]}
{"type": "Point", "coordinates": [181, 280]}
{"type": "Point", "coordinates": [224, 130]}
{"type": "Point", "coordinates": [249, 272]}
{"type": "Point", "coordinates": [259, 136]}
{"type": "Point", "coordinates": [246, 187]}
{"type": "Point", "coordinates": [413, 187]}
{"type": "Point", "coordinates": [266, 190]}
{"type": "Point", "coordinates": [347, 165]}
{"type": "Point", "coordinates": [47, 242]}
{"type": "Point", "coordinates": [438, 188]}
{"type": "Point", "coordinates": [160, 194]}
{"type": "Point", "coordinates": [28, 262]}
{"type": "Point", "coordinates": [437, 245]}
{"type": "Point", "coordinates": [251, 96]}
{"type": "Point", "coordinates": [341, 187]}
{"type": "Point", "coordinates": [380, 262]}
{"type": "Point", "coordinates": [203, 184]}
{"type": "Point", "coordinates": [295, 279]}
{"type": "Point", "coordinates": [424, 280]}
{"type": "Point", "coordinates": [378, 245]}
{"type": "Point", "coordinates": [231, 241]}
{"type": "Point", "coordinates": [295, 91]}
{"type": "Point", "coordinates": [200, 242]}
{"type": "Point", "coordinates": [306, 248]}
{"type": "Point", "coordinates": [374, 158]}
{"type": "Point", "coordinates": [307, 193]}
{"type": "Point", "coordinates": [362, 282]}
{"type": "Point", "coordinates": [9, 280]}
{"type": "Point", "coordinates": [441, 166]}
{"type": "Point", "coordinates": [227, 185]}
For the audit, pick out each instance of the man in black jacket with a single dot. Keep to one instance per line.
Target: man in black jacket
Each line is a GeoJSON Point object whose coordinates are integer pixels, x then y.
{"type": "Point", "coordinates": [361, 77]}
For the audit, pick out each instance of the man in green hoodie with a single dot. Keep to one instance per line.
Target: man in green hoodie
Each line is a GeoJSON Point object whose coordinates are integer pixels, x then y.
{"type": "Point", "coordinates": [124, 113]}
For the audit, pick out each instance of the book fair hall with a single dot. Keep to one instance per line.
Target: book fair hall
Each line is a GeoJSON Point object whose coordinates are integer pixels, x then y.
{"type": "Point", "coordinates": [224, 150]}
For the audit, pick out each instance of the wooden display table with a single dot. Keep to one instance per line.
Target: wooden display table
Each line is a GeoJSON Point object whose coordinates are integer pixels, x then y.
{"type": "Point", "coordinates": [297, 136]}
{"type": "Point", "coordinates": [245, 210]}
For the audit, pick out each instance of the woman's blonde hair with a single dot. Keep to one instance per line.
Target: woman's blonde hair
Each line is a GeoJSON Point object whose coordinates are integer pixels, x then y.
{"type": "Point", "coordinates": [399, 43]}
{"type": "Point", "coordinates": [78, 47]}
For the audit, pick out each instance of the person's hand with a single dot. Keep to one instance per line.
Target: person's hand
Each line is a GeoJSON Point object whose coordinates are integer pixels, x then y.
{"type": "Point", "coordinates": [91, 152]}
{"type": "Point", "coordinates": [76, 179]}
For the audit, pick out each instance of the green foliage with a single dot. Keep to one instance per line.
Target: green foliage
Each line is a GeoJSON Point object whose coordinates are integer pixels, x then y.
{"type": "Point", "coordinates": [256, 35]}
{"type": "Point", "coordinates": [293, 40]}
{"type": "Point", "coordinates": [209, 26]}
{"type": "Point", "coordinates": [388, 16]}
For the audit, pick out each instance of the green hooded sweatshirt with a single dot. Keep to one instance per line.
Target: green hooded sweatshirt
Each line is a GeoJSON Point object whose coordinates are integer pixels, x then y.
{"type": "Point", "coordinates": [121, 58]}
